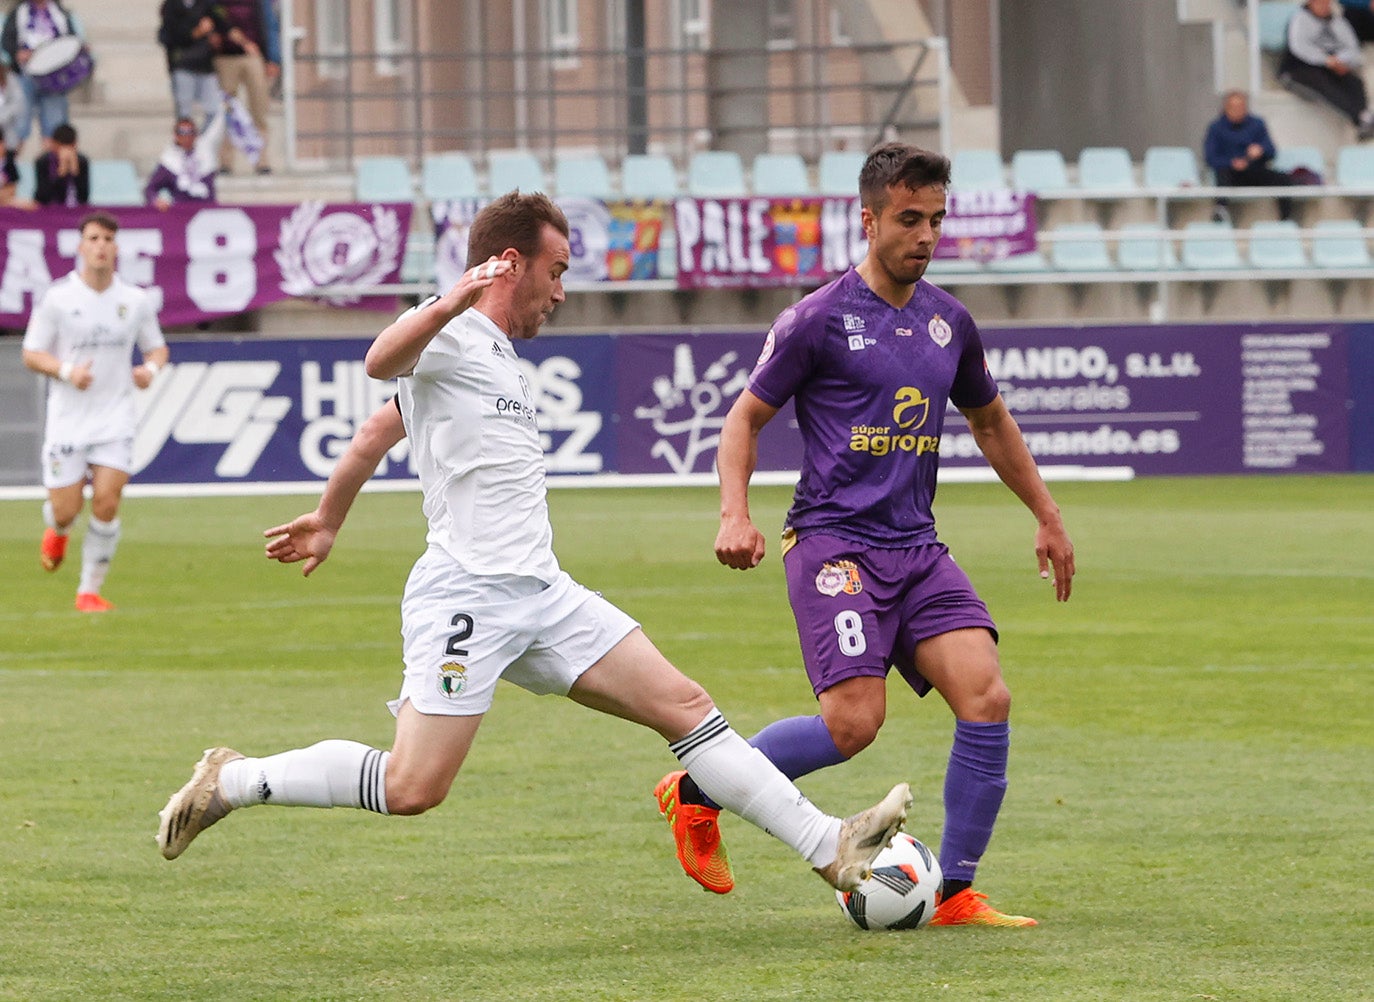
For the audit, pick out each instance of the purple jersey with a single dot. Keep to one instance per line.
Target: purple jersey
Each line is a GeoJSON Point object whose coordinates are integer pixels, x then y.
{"type": "Point", "coordinates": [870, 383]}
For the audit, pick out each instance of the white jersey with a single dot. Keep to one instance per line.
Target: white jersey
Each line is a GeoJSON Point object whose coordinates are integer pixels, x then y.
{"type": "Point", "coordinates": [78, 324]}
{"type": "Point", "coordinates": [471, 422]}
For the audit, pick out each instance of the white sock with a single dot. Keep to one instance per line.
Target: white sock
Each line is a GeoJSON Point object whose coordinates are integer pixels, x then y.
{"type": "Point", "coordinates": [328, 774]}
{"type": "Point", "coordinates": [97, 550]}
{"type": "Point", "coordinates": [740, 778]}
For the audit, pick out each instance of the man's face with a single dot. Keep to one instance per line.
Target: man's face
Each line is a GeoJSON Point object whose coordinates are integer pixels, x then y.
{"type": "Point", "coordinates": [97, 247]}
{"type": "Point", "coordinates": [903, 234]}
{"type": "Point", "coordinates": [185, 135]}
{"type": "Point", "coordinates": [1236, 108]}
{"type": "Point", "coordinates": [540, 286]}
{"type": "Point", "coordinates": [1322, 8]}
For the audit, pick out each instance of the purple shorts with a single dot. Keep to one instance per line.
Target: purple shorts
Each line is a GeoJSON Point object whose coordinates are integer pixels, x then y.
{"type": "Point", "coordinates": [862, 610]}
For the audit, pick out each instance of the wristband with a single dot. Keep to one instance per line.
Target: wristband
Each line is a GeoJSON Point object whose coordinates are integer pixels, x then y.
{"type": "Point", "coordinates": [152, 367]}
{"type": "Point", "coordinates": [64, 372]}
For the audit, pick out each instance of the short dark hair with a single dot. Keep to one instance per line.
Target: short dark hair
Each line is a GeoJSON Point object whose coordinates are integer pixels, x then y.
{"type": "Point", "coordinates": [899, 163]}
{"type": "Point", "coordinates": [64, 135]}
{"type": "Point", "coordinates": [102, 219]}
{"type": "Point", "coordinates": [514, 220]}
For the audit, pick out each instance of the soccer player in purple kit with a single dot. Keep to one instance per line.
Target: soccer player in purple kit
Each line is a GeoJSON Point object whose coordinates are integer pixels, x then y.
{"type": "Point", "coordinates": [870, 361]}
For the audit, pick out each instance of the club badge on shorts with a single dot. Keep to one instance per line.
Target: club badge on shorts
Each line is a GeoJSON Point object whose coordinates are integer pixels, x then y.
{"type": "Point", "coordinates": [453, 679]}
{"type": "Point", "coordinates": [939, 330]}
{"type": "Point", "coordinates": [839, 576]}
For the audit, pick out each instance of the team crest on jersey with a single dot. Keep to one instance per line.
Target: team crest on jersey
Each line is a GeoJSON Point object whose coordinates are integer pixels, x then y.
{"type": "Point", "coordinates": [767, 352]}
{"type": "Point", "coordinates": [318, 249]}
{"type": "Point", "coordinates": [453, 680]}
{"type": "Point", "coordinates": [123, 310]}
{"type": "Point", "coordinates": [839, 576]}
{"type": "Point", "coordinates": [939, 330]}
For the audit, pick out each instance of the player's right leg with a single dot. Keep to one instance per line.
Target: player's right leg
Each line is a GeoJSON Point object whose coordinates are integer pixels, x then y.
{"type": "Point", "coordinates": [60, 511]}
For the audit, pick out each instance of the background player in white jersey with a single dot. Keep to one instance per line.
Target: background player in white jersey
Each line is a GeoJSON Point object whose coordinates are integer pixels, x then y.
{"type": "Point", "coordinates": [487, 600]}
{"type": "Point", "coordinates": [82, 334]}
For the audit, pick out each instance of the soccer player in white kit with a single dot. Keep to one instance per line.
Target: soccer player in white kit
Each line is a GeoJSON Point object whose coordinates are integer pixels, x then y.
{"type": "Point", "coordinates": [487, 600]}
{"type": "Point", "coordinates": [81, 335]}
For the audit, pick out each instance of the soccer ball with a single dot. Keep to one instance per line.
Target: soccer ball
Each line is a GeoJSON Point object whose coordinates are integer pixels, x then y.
{"type": "Point", "coordinates": [901, 892]}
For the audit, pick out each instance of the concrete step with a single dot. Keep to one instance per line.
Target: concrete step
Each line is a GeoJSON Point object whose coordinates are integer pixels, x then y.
{"type": "Point", "coordinates": [130, 71]}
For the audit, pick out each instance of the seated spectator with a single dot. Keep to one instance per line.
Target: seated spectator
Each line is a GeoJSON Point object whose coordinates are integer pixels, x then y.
{"type": "Point", "coordinates": [1360, 14]}
{"type": "Point", "coordinates": [1324, 56]}
{"type": "Point", "coordinates": [12, 108]}
{"type": "Point", "coordinates": [1239, 150]}
{"type": "Point", "coordinates": [63, 174]}
{"type": "Point", "coordinates": [30, 24]}
{"type": "Point", "coordinates": [186, 169]}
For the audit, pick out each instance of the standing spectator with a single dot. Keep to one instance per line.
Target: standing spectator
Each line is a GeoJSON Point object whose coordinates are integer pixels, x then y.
{"type": "Point", "coordinates": [29, 25]}
{"type": "Point", "coordinates": [62, 174]}
{"type": "Point", "coordinates": [189, 32]}
{"type": "Point", "coordinates": [186, 169]}
{"type": "Point", "coordinates": [1324, 56]}
{"type": "Point", "coordinates": [242, 63]}
{"type": "Point", "coordinates": [1239, 151]}
{"type": "Point", "coordinates": [12, 109]}
{"type": "Point", "coordinates": [82, 336]}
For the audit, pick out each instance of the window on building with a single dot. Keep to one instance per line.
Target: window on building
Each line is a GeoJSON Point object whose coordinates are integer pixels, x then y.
{"type": "Point", "coordinates": [782, 24]}
{"type": "Point", "coordinates": [391, 31]}
{"type": "Point", "coordinates": [839, 33]}
{"type": "Point", "coordinates": [560, 19]}
{"type": "Point", "coordinates": [693, 25]}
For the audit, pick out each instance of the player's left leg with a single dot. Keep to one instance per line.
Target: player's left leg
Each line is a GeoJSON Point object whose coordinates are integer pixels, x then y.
{"type": "Point", "coordinates": [102, 536]}
{"type": "Point", "coordinates": [59, 512]}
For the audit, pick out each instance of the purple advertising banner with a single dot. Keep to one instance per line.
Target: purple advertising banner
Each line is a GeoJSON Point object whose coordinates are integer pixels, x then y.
{"type": "Point", "coordinates": [1152, 400]}
{"type": "Point", "coordinates": [204, 262]}
{"type": "Point", "coordinates": [733, 243]}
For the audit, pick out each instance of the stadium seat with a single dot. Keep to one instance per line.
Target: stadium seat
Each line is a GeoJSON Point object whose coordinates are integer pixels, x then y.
{"type": "Point", "coordinates": [1292, 157]}
{"type": "Point", "coordinates": [1031, 261]}
{"type": "Point", "coordinates": [1339, 243]}
{"type": "Point", "coordinates": [115, 182]}
{"type": "Point", "coordinates": [511, 169]}
{"type": "Point", "coordinates": [1041, 171]}
{"type": "Point", "coordinates": [648, 175]}
{"type": "Point", "coordinates": [1144, 247]}
{"type": "Point", "coordinates": [1355, 167]}
{"type": "Point", "coordinates": [838, 172]}
{"type": "Point", "coordinates": [1276, 245]}
{"type": "Point", "coordinates": [1170, 167]}
{"type": "Point", "coordinates": [382, 179]}
{"type": "Point", "coordinates": [27, 178]}
{"type": "Point", "coordinates": [1209, 246]}
{"type": "Point", "coordinates": [582, 175]}
{"type": "Point", "coordinates": [1086, 251]}
{"type": "Point", "coordinates": [447, 176]}
{"type": "Point", "coordinates": [780, 174]}
{"type": "Point", "coordinates": [977, 170]}
{"type": "Point", "coordinates": [417, 266]}
{"type": "Point", "coordinates": [1273, 24]}
{"type": "Point", "coordinates": [953, 266]}
{"type": "Point", "coordinates": [1106, 168]}
{"type": "Point", "coordinates": [716, 173]}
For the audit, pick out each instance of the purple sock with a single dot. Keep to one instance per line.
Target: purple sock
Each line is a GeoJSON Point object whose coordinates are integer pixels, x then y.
{"type": "Point", "coordinates": [796, 745]}
{"type": "Point", "coordinates": [975, 783]}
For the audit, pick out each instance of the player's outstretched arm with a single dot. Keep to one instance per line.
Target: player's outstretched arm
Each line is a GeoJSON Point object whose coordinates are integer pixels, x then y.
{"type": "Point", "coordinates": [311, 536]}
{"type": "Point", "coordinates": [999, 437]}
{"type": "Point", "coordinates": [739, 544]}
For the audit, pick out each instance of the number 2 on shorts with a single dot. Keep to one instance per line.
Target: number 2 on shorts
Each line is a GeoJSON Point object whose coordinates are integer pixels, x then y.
{"type": "Point", "coordinates": [850, 627]}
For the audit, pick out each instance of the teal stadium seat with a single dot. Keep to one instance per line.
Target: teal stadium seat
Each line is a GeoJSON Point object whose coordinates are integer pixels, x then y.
{"type": "Point", "coordinates": [1276, 245]}
{"type": "Point", "coordinates": [716, 173]}
{"type": "Point", "coordinates": [1144, 247]}
{"type": "Point", "coordinates": [1355, 167]}
{"type": "Point", "coordinates": [1041, 171]}
{"type": "Point", "coordinates": [977, 170]}
{"type": "Point", "coordinates": [1340, 243]}
{"type": "Point", "coordinates": [1170, 167]}
{"type": "Point", "coordinates": [837, 172]}
{"type": "Point", "coordinates": [28, 179]}
{"type": "Point", "coordinates": [1086, 250]}
{"type": "Point", "coordinates": [1210, 246]}
{"type": "Point", "coordinates": [382, 179]}
{"type": "Point", "coordinates": [582, 175]}
{"type": "Point", "coordinates": [1031, 261]}
{"type": "Point", "coordinates": [446, 176]}
{"type": "Point", "coordinates": [1106, 169]}
{"type": "Point", "coordinates": [115, 182]}
{"type": "Point", "coordinates": [952, 266]}
{"type": "Point", "coordinates": [511, 169]}
{"type": "Point", "coordinates": [648, 175]}
{"type": "Point", "coordinates": [1273, 24]}
{"type": "Point", "coordinates": [781, 175]}
{"type": "Point", "coordinates": [1291, 157]}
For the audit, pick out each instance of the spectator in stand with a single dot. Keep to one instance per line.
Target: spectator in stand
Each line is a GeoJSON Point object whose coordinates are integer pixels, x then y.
{"type": "Point", "coordinates": [12, 108]}
{"type": "Point", "coordinates": [1360, 14]}
{"type": "Point", "coordinates": [62, 174]}
{"type": "Point", "coordinates": [1324, 56]}
{"type": "Point", "coordinates": [189, 32]}
{"type": "Point", "coordinates": [186, 169]}
{"type": "Point", "coordinates": [30, 24]}
{"type": "Point", "coordinates": [1239, 150]}
{"type": "Point", "coordinates": [242, 62]}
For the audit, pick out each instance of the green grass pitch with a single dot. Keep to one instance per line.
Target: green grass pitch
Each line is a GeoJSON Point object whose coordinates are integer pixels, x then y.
{"type": "Point", "coordinates": [1190, 814]}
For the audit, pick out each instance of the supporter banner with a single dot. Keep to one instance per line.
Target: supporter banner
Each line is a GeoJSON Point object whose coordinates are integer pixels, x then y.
{"type": "Point", "coordinates": [613, 241]}
{"type": "Point", "coordinates": [201, 263]}
{"type": "Point", "coordinates": [731, 243]}
{"type": "Point", "coordinates": [1160, 400]}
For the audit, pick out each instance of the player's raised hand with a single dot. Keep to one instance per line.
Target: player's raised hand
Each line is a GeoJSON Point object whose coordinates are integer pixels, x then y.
{"type": "Point", "coordinates": [468, 289]}
{"type": "Point", "coordinates": [739, 544]}
{"type": "Point", "coordinates": [1054, 551]}
{"type": "Point", "coordinates": [304, 538]}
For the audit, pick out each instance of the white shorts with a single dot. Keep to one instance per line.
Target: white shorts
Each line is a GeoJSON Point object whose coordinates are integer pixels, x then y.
{"type": "Point", "coordinates": [65, 464]}
{"type": "Point", "coordinates": [461, 633]}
